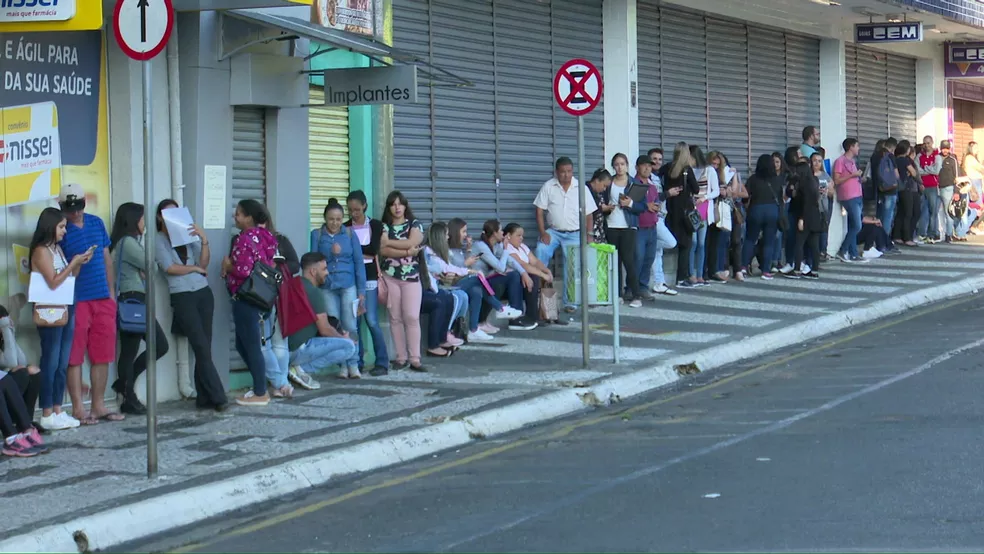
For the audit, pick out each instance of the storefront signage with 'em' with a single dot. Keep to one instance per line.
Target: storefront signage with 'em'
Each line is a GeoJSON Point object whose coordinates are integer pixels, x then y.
{"type": "Point", "coordinates": [906, 31]}
{"type": "Point", "coordinates": [371, 85]}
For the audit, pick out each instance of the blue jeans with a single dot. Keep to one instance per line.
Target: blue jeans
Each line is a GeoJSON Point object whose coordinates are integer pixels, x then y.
{"type": "Point", "coordinates": [275, 353]}
{"type": "Point", "coordinates": [946, 198]}
{"type": "Point", "coordinates": [461, 302]}
{"type": "Point", "coordinates": [887, 204]}
{"type": "Point", "coordinates": [723, 246]}
{"type": "Point", "coordinates": [647, 241]}
{"type": "Point", "coordinates": [963, 226]}
{"type": "Point", "coordinates": [247, 319]}
{"type": "Point", "coordinates": [664, 241]}
{"type": "Point", "coordinates": [321, 353]}
{"type": "Point", "coordinates": [850, 244]}
{"type": "Point", "coordinates": [697, 252]}
{"type": "Point", "coordinates": [763, 219]}
{"type": "Point", "coordinates": [477, 297]}
{"type": "Point", "coordinates": [56, 345]}
{"type": "Point", "coordinates": [558, 239]}
{"type": "Point", "coordinates": [371, 317]}
{"type": "Point", "coordinates": [340, 304]}
{"type": "Point", "coordinates": [826, 225]}
{"type": "Point", "coordinates": [929, 214]}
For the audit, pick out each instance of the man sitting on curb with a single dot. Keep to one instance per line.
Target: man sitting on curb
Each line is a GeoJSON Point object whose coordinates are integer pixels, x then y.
{"type": "Point", "coordinates": [319, 346]}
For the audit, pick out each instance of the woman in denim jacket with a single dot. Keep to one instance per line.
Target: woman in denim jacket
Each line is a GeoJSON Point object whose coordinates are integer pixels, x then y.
{"type": "Point", "coordinates": [345, 288]}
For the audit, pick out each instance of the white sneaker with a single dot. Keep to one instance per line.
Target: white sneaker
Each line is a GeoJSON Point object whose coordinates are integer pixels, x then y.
{"type": "Point", "coordinates": [479, 336]}
{"type": "Point", "coordinates": [805, 268]}
{"type": "Point", "coordinates": [636, 303]}
{"type": "Point", "coordinates": [508, 312]}
{"type": "Point", "coordinates": [872, 254]}
{"type": "Point", "coordinates": [786, 269]}
{"type": "Point", "coordinates": [251, 399]}
{"type": "Point", "coordinates": [663, 289]}
{"type": "Point", "coordinates": [302, 379]}
{"type": "Point", "coordinates": [58, 422]}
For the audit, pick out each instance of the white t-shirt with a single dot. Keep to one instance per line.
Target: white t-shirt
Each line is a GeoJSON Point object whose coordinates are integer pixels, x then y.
{"type": "Point", "coordinates": [616, 219]}
{"type": "Point", "coordinates": [523, 252]}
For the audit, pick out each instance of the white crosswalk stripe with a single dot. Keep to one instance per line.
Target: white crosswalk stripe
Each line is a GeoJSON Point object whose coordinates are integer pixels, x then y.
{"type": "Point", "coordinates": [668, 336]}
{"type": "Point", "coordinates": [562, 349]}
{"type": "Point", "coordinates": [886, 280]}
{"type": "Point", "coordinates": [661, 313]}
{"type": "Point", "coordinates": [940, 264]}
{"type": "Point", "coordinates": [858, 269]}
{"type": "Point", "coordinates": [773, 294]}
{"type": "Point", "coordinates": [820, 285]}
{"type": "Point", "coordinates": [715, 301]}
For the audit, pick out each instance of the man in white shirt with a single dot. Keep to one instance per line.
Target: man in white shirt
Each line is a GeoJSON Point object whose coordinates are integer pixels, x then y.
{"type": "Point", "coordinates": [560, 227]}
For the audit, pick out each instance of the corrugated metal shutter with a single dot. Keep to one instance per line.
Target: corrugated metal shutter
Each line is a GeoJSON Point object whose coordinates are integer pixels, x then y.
{"type": "Point", "coordinates": [684, 79]}
{"type": "Point", "coordinates": [802, 86]}
{"type": "Point", "coordinates": [851, 90]}
{"type": "Point", "coordinates": [571, 24]}
{"type": "Point", "coordinates": [727, 70]}
{"type": "Point", "coordinates": [768, 98]}
{"type": "Point", "coordinates": [412, 126]}
{"type": "Point", "coordinates": [248, 179]}
{"type": "Point", "coordinates": [450, 150]}
{"type": "Point", "coordinates": [650, 95]}
{"type": "Point", "coordinates": [328, 147]}
{"type": "Point", "coordinates": [872, 100]}
{"type": "Point", "coordinates": [902, 98]}
{"type": "Point", "coordinates": [525, 118]}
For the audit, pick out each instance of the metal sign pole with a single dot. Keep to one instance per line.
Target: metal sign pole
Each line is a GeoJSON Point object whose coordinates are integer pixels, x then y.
{"type": "Point", "coordinates": [150, 233]}
{"type": "Point", "coordinates": [585, 329]}
{"type": "Point", "coordinates": [613, 271]}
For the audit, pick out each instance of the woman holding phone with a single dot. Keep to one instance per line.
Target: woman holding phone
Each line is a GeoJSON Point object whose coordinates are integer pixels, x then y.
{"type": "Point", "coordinates": [185, 268]}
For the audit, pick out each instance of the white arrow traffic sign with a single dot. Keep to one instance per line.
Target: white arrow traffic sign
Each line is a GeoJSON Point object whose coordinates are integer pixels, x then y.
{"type": "Point", "coordinates": [142, 27]}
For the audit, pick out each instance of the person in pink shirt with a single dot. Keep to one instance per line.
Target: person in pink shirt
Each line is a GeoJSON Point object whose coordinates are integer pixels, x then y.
{"type": "Point", "coordinates": [847, 183]}
{"type": "Point", "coordinates": [254, 244]}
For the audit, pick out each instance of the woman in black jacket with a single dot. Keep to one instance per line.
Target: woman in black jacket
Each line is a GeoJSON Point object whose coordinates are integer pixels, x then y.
{"type": "Point", "coordinates": [679, 187]}
{"type": "Point", "coordinates": [369, 231]}
{"type": "Point", "coordinates": [809, 221]}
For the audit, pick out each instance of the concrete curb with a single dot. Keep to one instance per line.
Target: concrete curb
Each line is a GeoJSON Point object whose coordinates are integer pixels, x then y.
{"type": "Point", "coordinates": [127, 523]}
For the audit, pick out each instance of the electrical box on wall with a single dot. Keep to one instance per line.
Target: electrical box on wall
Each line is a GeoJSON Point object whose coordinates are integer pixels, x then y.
{"type": "Point", "coordinates": [267, 80]}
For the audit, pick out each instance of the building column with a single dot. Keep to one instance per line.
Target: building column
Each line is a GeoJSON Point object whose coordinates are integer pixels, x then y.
{"type": "Point", "coordinates": [931, 107]}
{"type": "Point", "coordinates": [621, 77]}
{"type": "Point", "coordinates": [833, 94]}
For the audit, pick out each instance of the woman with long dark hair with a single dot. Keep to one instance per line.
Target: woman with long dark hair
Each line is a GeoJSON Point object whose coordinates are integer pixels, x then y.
{"type": "Point", "coordinates": [126, 245]}
{"type": "Point", "coordinates": [765, 196]}
{"type": "Point", "coordinates": [808, 223]}
{"type": "Point", "coordinates": [254, 244]}
{"type": "Point", "coordinates": [623, 223]}
{"type": "Point", "coordinates": [48, 259]}
{"type": "Point", "coordinates": [399, 246]}
{"type": "Point", "coordinates": [192, 303]}
{"type": "Point", "coordinates": [504, 274]}
{"type": "Point", "coordinates": [369, 232]}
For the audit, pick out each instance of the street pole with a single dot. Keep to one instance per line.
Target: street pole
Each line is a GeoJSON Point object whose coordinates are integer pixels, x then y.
{"type": "Point", "coordinates": [585, 330]}
{"type": "Point", "coordinates": [149, 236]}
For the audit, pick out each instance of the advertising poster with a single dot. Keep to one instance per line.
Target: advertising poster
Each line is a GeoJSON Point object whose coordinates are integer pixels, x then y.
{"type": "Point", "coordinates": [354, 16]}
{"type": "Point", "coordinates": [54, 127]}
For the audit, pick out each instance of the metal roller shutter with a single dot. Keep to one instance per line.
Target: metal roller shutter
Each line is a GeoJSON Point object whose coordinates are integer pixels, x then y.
{"type": "Point", "coordinates": [851, 88]}
{"type": "Point", "coordinates": [412, 124]}
{"type": "Point", "coordinates": [902, 98]}
{"type": "Point", "coordinates": [570, 22]}
{"type": "Point", "coordinates": [727, 85]}
{"type": "Point", "coordinates": [872, 100]}
{"type": "Point", "coordinates": [802, 86]}
{"type": "Point", "coordinates": [650, 96]}
{"type": "Point", "coordinates": [483, 151]}
{"type": "Point", "coordinates": [767, 55]}
{"type": "Point", "coordinates": [328, 147]}
{"type": "Point", "coordinates": [248, 179]}
{"type": "Point", "coordinates": [684, 78]}
{"type": "Point", "coordinates": [524, 117]}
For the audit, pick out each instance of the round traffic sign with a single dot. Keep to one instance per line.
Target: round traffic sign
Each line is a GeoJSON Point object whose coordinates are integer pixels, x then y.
{"type": "Point", "coordinates": [578, 87]}
{"type": "Point", "coordinates": [142, 27]}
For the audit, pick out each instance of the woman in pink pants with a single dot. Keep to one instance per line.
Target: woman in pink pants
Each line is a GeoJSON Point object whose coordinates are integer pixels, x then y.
{"type": "Point", "coordinates": [398, 248]}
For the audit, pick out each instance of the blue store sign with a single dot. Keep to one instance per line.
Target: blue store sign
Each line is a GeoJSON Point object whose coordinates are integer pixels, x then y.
{"type": "Point", "coordinates": [888, 32]}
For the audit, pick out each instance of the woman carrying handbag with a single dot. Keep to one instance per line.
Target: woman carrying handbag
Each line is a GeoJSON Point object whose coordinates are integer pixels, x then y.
{"type": "Point", "coordinates": [128, 249]}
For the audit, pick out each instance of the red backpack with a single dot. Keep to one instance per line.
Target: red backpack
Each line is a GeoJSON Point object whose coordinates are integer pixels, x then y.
{"type": "Point", "coordinates": [294, 311]}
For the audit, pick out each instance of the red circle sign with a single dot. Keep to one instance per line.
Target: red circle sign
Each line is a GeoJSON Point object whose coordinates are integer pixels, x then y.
{"type": "Point", "coordinates": [143, 27]}
{"type": "Point", "coordinates": [578, 87]}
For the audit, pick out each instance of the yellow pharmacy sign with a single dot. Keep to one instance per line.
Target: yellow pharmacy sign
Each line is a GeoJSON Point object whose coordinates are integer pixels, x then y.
{"type": "Point", "coordinates": [30, 153]}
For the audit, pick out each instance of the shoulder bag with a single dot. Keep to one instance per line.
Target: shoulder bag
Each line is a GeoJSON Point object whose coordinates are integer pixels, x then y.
{"type": "Point", "coordinates": [261, 287]}
{"type": "Point", "coordinates": [48, 315]}
{"type": "Point", "coordinates": [131, 313]}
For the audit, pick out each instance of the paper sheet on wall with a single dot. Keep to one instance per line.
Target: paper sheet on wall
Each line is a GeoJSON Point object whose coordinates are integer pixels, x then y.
{"type": "Point", "coordinates": [214, 205]}
{"type": "Point", "coordinates": [178, 222]}
{"type": "Point", "coordinates": [39, 293]}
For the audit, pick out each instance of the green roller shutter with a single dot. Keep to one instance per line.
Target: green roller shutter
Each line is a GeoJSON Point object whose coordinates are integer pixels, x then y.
{"type": "Point", "coordinates": [328, 149]}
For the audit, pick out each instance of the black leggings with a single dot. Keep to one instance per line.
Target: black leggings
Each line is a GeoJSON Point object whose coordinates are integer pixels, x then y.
{"type": "Point", "coordinates": [193, 318]}
{"type": "Point", "coordinates": [14, 417]}
{"type": "Point", "coordinates": [684, 239]}
{"type": "Point", "coordinates": [30, 387]}
{"type": "Point", "coordinates": [803, 238]}
{"type": "Point", "coordinates": [624, 240]}
{"type": "Point", "coordinates": [532, 300]}
{"type": "Point", "coordinates": [906, 216]}
{"type": "Point", "coordinates": [130, 366]}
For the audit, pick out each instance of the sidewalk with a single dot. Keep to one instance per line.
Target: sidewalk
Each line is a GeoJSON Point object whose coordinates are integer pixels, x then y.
{"type": "Point", "coordinates": [248, 455]}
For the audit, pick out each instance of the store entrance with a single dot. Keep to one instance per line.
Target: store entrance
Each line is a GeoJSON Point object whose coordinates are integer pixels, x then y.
{"type": "Point", "coordinates": [968, 125]}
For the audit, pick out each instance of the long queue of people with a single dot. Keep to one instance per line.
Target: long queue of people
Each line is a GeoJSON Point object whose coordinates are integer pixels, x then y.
{"type": "Point", "coordinates": [308, 322]}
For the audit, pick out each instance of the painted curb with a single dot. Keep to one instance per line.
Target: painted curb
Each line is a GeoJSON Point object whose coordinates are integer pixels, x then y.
{"type": "Point", "coordinates": [122, 524]}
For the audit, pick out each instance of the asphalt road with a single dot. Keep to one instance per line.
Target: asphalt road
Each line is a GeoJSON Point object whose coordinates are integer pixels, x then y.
{"type": "Point", "coordinates": [866, 441]}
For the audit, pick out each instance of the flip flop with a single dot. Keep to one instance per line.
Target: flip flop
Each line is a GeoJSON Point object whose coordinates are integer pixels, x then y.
{"type": "Point", "coordinates": [88, 419]}
{"type": "Point", "coordinates": [111, 416]}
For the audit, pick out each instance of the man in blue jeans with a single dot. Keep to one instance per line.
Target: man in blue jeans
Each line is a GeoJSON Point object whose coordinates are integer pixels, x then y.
{"type": "Point", "coordinates": [319, 346]}
{"type": "Point", "coordinates": [561, 226]}
{"type": "Point", "coordinates": [847, 182]}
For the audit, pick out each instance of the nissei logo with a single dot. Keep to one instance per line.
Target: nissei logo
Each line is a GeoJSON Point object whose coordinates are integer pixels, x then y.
{"type": "Point", "coordinates": [26, 149]}
{"type": "Point", "coordinates": [27, 3]}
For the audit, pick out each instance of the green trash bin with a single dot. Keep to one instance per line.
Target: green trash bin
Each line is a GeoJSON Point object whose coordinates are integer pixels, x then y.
{"type": "Point", "coordinates": [600, 260]}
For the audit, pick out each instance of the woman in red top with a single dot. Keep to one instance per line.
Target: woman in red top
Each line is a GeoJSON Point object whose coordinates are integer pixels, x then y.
{"type": "Point", "coordinates": [254, 244]}
{"type": "Point", "coordinates": [930, 163]}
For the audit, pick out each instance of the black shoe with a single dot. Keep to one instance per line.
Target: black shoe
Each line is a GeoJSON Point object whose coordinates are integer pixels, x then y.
{"type": "Point", "coordinates": [133, 406]}
{"type": "Point", "coordinates": [397, 366]}
{"type": "Point", "coordinates": [378, 371]}
{"type": "Point", "coordinates": [221, 407]}
{"type": "Point", "coordinates": [561, 322]}
{"type": "Point", "coordinates": [521, 324]}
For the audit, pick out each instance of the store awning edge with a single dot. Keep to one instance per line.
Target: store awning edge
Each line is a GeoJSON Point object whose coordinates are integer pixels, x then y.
{"type": "Point", "coordinates": [375, 50]}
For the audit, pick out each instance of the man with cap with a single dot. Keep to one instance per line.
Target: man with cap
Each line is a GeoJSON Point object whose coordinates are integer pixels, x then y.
{"type": "Point", "coordinates": [949, 171]}
{"type": "Point", "coordinates": [95, 305]}
{"type": "Point", "coordinates": [653, 236]}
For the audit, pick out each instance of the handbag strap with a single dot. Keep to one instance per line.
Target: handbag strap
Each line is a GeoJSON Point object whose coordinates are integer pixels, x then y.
{"type": "Point", "coordinates": [119, 267]}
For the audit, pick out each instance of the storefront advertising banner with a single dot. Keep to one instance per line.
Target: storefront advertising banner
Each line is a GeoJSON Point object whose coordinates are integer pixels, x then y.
{"type": "Point", "coordinates": [30, 16]}
{"type": "Point", "coordinates": [354, 16]}
{"type": "Point", "coordinates": [964, 59]}
{"type": "Point", "coordinates": [966, 91]}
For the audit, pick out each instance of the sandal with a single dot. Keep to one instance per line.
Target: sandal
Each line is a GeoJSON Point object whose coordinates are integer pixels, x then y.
{"type": "Point", "coordinates": [87, 419]}
{"type": "Point", "coordinates": [431, 354]}
{"type": "Point", "coordinates": [418, 368]}
{"type": "Point", "coordinates": [110, 416]}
